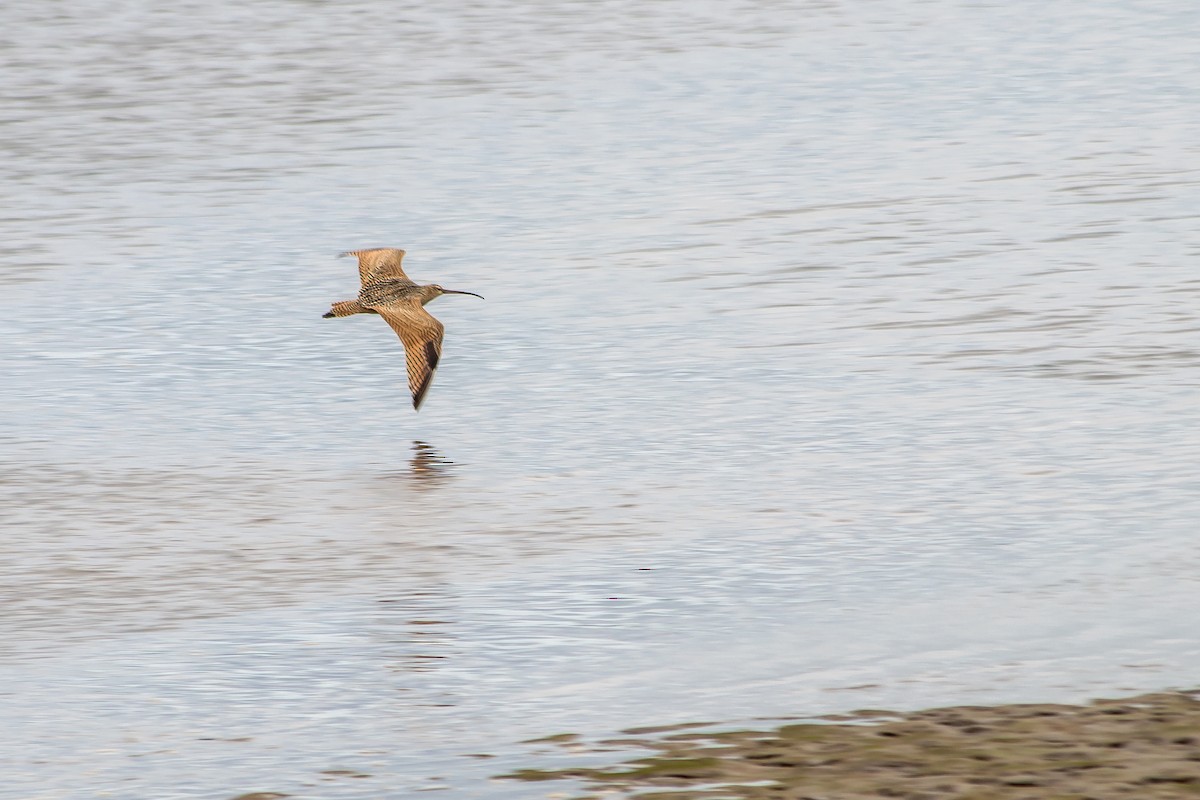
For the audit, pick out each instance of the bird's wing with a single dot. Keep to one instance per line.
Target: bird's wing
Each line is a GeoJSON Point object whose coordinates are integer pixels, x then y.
{"type": "Point", "coordinates": [383, 262]}
{"type": "Point", "coordinates": [422, 338]}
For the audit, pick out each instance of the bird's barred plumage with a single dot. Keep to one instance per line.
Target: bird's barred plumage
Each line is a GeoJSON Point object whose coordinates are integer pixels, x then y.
{"type": "Point", "coordinates": [389, 292]}
{"type": "Point", "coordinates": [422, 338]}
{"type": "Point", "coordinates": [383, 292]}
{"type": "Point", "coordinates": [378, 264]}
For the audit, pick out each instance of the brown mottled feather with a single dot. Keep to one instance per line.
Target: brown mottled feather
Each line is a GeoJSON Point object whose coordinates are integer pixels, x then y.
{"type": "Point", "coordinates": [379, 264]}
{"type": "Point", "coordinates": [422, 338]}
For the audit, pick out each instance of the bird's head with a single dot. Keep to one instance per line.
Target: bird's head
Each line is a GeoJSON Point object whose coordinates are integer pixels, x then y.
{"type": "Point", "coordinates": [438, 291]}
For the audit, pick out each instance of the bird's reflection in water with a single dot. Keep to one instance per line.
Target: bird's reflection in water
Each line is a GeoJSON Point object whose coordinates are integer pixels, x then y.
{"type": "Point", "coordinates": [428, 467]}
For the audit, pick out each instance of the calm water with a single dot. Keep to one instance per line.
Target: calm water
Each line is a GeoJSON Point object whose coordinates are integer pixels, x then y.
{"type": "Point", "coordinates": [834, 355]}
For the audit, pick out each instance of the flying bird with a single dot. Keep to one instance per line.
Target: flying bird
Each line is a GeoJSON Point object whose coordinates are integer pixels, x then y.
{"type": "Point", "coordinates": [391, 294]}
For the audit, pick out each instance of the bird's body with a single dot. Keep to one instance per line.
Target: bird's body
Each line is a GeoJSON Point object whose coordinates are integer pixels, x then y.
{"type": "Point", "coordinates": [387, 291]}
{"type": "Point", "coordinates": [393, 290]}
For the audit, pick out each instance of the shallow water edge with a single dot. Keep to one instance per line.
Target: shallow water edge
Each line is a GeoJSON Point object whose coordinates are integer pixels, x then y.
{"type": "Point", "coordinates": [1146, 746]}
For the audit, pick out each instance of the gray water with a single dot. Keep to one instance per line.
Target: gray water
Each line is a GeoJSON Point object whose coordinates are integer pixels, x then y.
{"type": "Point", "coordinates": [834, 355]}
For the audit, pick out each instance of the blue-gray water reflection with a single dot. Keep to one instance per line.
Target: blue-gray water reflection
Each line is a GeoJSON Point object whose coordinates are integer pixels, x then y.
{"type": "Point", "coordinates": [825, 347]}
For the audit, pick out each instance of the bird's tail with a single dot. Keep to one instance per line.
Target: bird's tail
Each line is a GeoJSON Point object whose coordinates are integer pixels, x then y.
{"type": "Point", "coordinates": [345, 309]}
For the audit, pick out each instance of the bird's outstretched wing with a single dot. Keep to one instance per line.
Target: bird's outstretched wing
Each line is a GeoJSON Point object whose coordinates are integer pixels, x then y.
{"type": "Point", "coordinates": [377, 264]}
{"type": "Point", "coordinates": [422, 338]}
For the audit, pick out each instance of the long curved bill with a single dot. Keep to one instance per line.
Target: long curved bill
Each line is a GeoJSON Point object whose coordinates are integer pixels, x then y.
{"type": "Point", "coordinates": [453, 291]}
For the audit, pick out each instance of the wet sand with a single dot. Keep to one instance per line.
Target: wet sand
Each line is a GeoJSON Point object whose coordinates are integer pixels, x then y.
{"type": "Point", "coordinates": [1144, 747]}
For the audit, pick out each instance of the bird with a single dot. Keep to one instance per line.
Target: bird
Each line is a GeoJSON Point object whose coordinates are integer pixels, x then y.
{"type": "Point", "coordinates": [391, 294]}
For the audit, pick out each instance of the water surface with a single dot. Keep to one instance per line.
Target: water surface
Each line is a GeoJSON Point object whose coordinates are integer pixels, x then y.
{"type": "Point", "coordinates": [832, 357]}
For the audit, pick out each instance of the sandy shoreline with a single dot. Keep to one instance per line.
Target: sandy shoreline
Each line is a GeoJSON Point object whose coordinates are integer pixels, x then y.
{"type": "Point", "coordinates": [1139, 747]}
